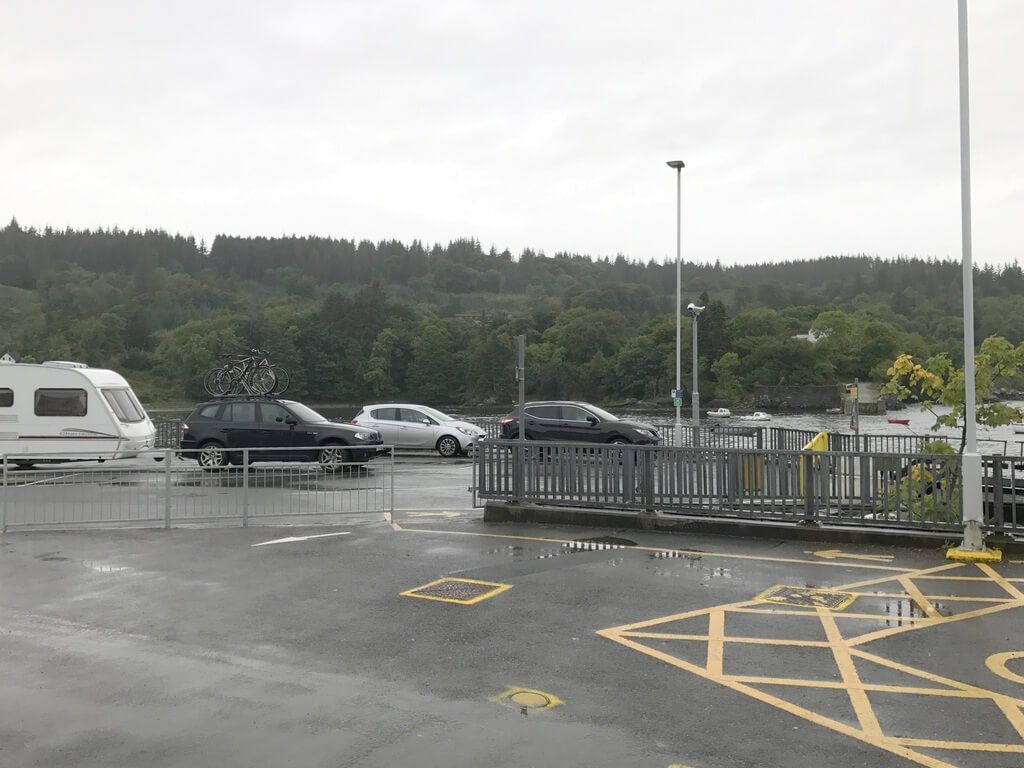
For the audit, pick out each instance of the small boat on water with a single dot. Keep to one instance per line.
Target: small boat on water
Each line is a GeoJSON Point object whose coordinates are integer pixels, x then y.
{"type": "Point", "coordinates": [720, 413]}
{"type": "Point", "coordinates": [1019, 429]}
{"type": "Point", "coordinates": [833, 410]}
{"type": "Point", "coordinates": [903, 422]}
{"type": "Point", "coordinates": [756, 416]}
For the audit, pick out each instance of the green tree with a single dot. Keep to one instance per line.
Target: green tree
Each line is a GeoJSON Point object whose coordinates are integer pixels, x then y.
{"type": "Point", "coordinates": [726, 370]}
{"type": "Point", "coordinates": [939, 383]}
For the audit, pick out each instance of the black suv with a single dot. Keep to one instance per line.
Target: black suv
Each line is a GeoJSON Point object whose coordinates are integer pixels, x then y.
{"type": "Point", "coordinates": [216, 427]}
{"type": "Point", "coordinates": [577, 423]}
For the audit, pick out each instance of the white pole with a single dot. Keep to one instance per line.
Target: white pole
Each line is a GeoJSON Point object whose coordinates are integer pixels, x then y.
{"type": "Point", "coordinates": [695, 395]}
{"type": "Point", "coordinates": [679, 300]}
{"type": "Point", "coordinates": [971, 468]}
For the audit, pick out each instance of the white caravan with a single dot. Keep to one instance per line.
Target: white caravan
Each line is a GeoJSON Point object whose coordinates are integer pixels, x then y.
{"type": "Point", "coordinates": [60, 411]}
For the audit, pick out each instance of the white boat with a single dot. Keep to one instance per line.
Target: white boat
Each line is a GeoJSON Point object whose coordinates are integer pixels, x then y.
{"type": "Point", "coordinates": [756, 416]}
{"type": "Point", "coordinates": [1019, 429]}
{"type": "Point", "coordinates": [720, 413]}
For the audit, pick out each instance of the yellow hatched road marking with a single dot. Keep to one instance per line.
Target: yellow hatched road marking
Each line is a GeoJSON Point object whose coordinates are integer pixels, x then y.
{"type": "Point", "coordinates": [975, 746]}
{"type": "Point", "coordinates": [716, 641]}
{"type": "Point", "coordinates": [786, 706]}
{"type": "Point", "coordinates": [844, 653]}
{"type": "Point", "coordinates": [919, 598]}
{"type": "Point", "coordinates": [997, 577]}
{"type": "Point", "coordinates": [726, 639]}
{"type": "Point", "coordinates": [858, 698]}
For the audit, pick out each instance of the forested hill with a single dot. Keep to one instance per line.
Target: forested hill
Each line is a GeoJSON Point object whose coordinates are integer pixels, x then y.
{"type": "Point", "coordinates": [360, 320]}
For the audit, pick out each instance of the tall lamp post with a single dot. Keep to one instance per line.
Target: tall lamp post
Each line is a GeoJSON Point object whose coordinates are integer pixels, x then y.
{"type": "Point", "coordinates": [678, 165]}
{"type": "Point", "coordinates": [695, 311]}
{"type": "Point", "coordinates": [973, 541]}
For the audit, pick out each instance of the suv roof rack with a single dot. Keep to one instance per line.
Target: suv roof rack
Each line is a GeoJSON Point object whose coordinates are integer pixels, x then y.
{"type": "Point", "coordinates": [244, 395]}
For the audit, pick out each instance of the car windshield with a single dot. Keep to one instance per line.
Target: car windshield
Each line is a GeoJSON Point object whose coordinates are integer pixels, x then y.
{"type": "Point", "coordinates": [434, 413]}
{"type": "Point", "coordinates": [602, 414]}
{"type": "Point", "coordinates": [304, 413]}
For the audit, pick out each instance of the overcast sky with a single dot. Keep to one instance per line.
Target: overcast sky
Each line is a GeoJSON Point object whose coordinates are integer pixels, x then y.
{"type": "Point", "coordinates": [808, 127]}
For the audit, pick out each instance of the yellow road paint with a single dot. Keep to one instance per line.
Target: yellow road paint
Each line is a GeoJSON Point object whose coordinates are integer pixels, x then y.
{"type": "Point", "coordinates": [720, 641]}
{"type": "Point", "coordinates": [976, 746]}
{"type": "Point", "coordinates": [439, 586]}
{"type": "Point", "coordinates": [997, 665]}
{"type": "Point", "coordinates": [846, 651]}
{"type": "Point", "coordinates": [832, 554]}
{"type": "Point", "coordinates": [997, 577]}
{"type": "Point", "coordinates": [858, 698]}
{"type": "Point", "coordinates": [766, 698]}
{"type": "Point", "coordinates": [716, 641]}
{"type": "Point", "coordinates": [922, 602]}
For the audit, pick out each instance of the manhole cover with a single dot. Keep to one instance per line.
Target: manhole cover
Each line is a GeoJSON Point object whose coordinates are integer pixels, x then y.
{"type": "Point", "coordinates": [461, 591]}
{"type": "Point", "coordinates": [805, 597]}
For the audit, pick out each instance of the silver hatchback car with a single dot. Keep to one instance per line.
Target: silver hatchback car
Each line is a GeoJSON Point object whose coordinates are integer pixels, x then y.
{"type": "Point", "coordinates": [404, 425]}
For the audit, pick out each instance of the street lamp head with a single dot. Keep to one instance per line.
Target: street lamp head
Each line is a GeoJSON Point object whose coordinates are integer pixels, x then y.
{"type": "Point", "coordinates": [693, 309]}
{"type": "Point", "coordinates": [677, 164]}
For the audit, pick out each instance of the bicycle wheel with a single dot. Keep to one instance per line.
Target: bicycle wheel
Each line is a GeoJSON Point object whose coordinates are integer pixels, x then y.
{"type": "Point", "coordinates": [261, 381]}
{"type": "Point", "coordinates": [282, 379]}
{"type": "Point", "coordinates": [216, 382]}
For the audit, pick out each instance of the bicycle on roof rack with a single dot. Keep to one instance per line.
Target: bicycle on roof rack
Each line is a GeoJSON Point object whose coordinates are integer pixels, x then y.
{"type": "Point", "coordinates": [251, 374]}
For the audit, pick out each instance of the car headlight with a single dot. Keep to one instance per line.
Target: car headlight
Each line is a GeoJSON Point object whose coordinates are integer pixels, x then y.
{"type": "Point", "coordinates": [363, 435]}
{"type": "Point", "coordinates": [467, 431]}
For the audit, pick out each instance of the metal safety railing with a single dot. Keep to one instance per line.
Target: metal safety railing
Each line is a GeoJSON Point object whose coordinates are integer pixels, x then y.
{"type": "Point", "coordinates": [168, 488]}
{"type": "Point", "coordinates": [877, 489]}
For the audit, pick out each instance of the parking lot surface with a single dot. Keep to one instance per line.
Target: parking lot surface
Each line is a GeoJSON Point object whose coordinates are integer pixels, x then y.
{"type": "Point", "coordinates": [433, 639]}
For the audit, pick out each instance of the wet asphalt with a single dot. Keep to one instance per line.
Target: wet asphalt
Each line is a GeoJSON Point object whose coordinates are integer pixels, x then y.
{"type": "Point", "coordinates": [193, 647]}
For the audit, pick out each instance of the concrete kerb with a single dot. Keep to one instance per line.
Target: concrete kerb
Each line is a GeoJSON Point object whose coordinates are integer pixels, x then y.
{"type": "Point", "coordinates": [511, 512]}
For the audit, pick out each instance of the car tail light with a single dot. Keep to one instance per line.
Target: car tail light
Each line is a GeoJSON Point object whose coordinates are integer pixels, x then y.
{"type": "Point", "coordinates": [507, 420]}
{"type": "Point", "coordinates": [184, 430]}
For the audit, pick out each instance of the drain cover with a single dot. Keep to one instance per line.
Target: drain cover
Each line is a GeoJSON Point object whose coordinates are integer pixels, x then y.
{"type": "Point", "coordinates": [528, 698]}
{"type": "Point", "coordinates": [461, 591]}
{"type": "Point", "coordinates": [805, 597]}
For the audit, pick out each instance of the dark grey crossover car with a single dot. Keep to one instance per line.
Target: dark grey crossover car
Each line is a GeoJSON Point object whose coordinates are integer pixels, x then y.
{"type": "Point", "coordinates": [576, 422]}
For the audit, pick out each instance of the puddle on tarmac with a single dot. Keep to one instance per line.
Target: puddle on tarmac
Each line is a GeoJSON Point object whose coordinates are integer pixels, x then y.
{"type": "Point", "coordinates": [897, 611]}
{"type": "Point", "coordinates": [50, 557]}
{"type": "Point", "coordinates": [100, 567]}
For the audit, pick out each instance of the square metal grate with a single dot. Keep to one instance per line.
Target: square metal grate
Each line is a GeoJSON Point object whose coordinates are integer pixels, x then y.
{"type": "Point", "coordinates": [806, 597]}
{"type": "Point", "coordinates": [460, 591]}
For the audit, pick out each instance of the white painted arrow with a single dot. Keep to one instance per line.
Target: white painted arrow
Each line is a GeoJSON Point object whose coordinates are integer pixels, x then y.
{"type": "Point", "coordinates": [300, 538]}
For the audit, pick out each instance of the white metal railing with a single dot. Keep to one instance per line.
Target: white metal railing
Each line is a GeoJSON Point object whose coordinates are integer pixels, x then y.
{"type": "Point", "coordinates": [170, 488]}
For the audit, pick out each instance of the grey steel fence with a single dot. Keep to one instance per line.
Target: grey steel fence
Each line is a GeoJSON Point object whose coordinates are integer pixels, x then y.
{"type": "Point", "coordinates": [167, 488]}
{"type": "Point", "coordinates": [878, 489]}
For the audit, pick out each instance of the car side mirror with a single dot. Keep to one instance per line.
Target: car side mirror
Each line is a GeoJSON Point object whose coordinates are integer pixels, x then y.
{"type": "Point", "coordinates": [592, 421]}
{"type": "Point", "coordinates": [291, 422]}
{"type": "Point", "coordinates": [427, 422]}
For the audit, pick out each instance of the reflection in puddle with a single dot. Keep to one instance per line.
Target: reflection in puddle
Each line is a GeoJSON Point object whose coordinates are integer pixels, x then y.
{"type": "Point", "coordinates": [902, 611]}
{"type": "Point", "coordinates": [100, 567]}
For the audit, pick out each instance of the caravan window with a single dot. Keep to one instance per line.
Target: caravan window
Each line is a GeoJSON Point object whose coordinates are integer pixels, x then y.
{"type": "Point", "coordinates": [6, 397]}
{"type": "Point", "coordinates": [124, 406]}
{"type": "Point", "coordinates": [61, 402]}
